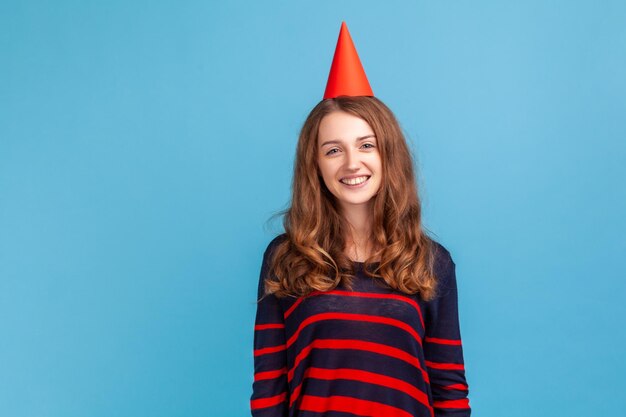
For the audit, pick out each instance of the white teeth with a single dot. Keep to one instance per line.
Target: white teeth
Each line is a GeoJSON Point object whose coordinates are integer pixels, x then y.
{"type": "Point", "coordinates": [354, 181]}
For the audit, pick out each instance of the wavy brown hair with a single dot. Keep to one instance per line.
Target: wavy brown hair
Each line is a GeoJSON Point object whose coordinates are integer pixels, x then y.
{"type": "Point", "coordinates": [311, 256]}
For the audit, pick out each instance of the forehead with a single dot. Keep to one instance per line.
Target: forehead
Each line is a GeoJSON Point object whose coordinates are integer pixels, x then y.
{"type": "Point", "coordinates": [342, 126]}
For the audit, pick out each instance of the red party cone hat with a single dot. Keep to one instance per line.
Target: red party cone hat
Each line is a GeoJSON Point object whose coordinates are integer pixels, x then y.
{"type": "Point", "coordinates": [347, 77]}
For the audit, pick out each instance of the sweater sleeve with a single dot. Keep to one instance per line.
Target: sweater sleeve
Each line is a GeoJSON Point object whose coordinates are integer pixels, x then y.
{"type": "Point", "coordinates": [442, 345]}
{"type": "Point", "coordinates": [270, 396]}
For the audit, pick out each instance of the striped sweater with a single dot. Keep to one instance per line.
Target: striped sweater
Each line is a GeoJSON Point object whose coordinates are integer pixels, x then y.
{"type": "Point", "coordinates": [369, 351]}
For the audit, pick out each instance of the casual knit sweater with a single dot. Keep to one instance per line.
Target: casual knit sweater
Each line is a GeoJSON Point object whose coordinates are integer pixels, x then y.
{"type": "Point", "coordinates": [369, 351]}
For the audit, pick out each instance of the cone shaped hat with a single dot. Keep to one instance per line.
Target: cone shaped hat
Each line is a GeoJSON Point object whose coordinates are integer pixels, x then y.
{"type": "Point", "coordinates": [347, 77]}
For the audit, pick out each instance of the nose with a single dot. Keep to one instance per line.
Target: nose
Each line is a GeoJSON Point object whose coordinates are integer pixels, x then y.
{"type": "Point", "coordinates": [352, 160]}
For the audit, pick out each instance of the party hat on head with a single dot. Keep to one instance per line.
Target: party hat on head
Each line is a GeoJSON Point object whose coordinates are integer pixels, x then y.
{"type": "Point", "coordinates": [347, 77]}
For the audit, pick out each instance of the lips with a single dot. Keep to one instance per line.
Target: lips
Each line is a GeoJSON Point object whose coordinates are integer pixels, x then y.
{"type": "Point", "coordinates": [355, 181]}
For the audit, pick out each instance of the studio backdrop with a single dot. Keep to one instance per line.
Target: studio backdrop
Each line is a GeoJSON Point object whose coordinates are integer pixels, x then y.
{"type": "Point", "coordinates": [145, 145]}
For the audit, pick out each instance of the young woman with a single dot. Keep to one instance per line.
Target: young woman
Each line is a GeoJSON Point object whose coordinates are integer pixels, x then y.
{"type": "Point", "coordinates": [358, 306]}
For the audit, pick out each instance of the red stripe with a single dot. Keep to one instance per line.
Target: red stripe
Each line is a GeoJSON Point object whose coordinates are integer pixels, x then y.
{"type": "Point", "coordinates": [350, 405]}
{"type": "Point", "coordinates": [293, 307]}
{"type": "Point", "coordinates": [260, 376]}
{"type": "Point", "coordinates": [442, 341]}
{"type": "Point", "coordinates": [295, 394]}
{"type": "Point", "coordinates": [269, 326]}
{"type": "Point", "coordinates": [357, 345]}
{"type": "Point", "coordinates": [354, 317]}
{"type": "Point", "coordinates": [268, 402]}
{"type": "Point", "coordinates": [364, 376]}
{"type": "Point", "coordinates": [463, 403]}
{"type": "Point", "coordinates": [271, 349]}
{"type": "Point", "coordinates": [447, 366]}
{"type": "Point", "coordinates": [459, 387]}
{"type": "Point", "coordinates": [363, 295]}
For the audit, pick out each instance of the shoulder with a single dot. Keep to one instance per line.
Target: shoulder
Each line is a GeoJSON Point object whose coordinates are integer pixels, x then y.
{"type": "Point", "coordinates": [265, 266]}
{"type": "Point", "coordinates": [271, 247]}
{"type": "Point", "coordinates": [441, 256]}
{"type": "Point", "coordinates": [274, 243]}
{"type": "Point", "coordinates": [443, 267]}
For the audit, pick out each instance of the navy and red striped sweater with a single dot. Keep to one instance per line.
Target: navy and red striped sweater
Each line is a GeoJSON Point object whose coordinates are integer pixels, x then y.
{"type": "Point", "coordinates": [371, 351]}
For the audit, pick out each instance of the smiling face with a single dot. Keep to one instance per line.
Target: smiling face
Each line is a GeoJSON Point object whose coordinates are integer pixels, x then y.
{"type": "Point", "coordinates": [348, 159]}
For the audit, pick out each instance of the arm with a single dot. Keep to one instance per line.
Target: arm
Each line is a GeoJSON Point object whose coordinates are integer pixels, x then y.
{"type": "Point", "coordinates": [270, 396]}
{"type": "Point", "coordinates": [442, 345]}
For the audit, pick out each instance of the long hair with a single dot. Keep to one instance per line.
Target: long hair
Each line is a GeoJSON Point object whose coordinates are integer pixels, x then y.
{"type": "Point", "coordinates": [312, 258]}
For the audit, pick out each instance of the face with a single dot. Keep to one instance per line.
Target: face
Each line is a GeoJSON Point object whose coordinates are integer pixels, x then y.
{"type": "Point", "coordinates": [348, 159]}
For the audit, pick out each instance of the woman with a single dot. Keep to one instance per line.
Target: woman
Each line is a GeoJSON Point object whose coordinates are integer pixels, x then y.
{"type": "Point", "coordinates": [358, 306]}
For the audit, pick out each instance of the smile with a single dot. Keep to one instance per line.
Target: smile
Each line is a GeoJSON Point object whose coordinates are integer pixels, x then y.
{"type": "Point", "coordinates": [354, 182]}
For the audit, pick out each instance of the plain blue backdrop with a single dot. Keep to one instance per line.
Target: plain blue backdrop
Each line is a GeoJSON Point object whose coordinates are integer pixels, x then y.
{"type": "Point", "coordinates": [144, 144]}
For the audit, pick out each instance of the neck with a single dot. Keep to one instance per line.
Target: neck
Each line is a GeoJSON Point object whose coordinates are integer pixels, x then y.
{"type": "Point", "coordinates": [359, 218]}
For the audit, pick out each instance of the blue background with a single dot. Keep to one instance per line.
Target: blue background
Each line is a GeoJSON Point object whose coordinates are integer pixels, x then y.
{"type": "Point", "coordinates": [144, 144]}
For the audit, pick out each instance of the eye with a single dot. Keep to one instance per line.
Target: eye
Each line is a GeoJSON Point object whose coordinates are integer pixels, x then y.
{"type": "Point", "coordinates": [330, 152]}
{"type": "Point", "coordinates": [369, 145]}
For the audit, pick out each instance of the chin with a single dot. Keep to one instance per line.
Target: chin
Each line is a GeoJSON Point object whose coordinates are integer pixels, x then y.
{"type": "Point", "coordinates": [355, 201]}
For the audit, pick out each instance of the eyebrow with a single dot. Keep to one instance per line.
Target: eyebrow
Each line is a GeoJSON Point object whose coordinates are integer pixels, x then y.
{"type": "Point", "coordinates": [360, 138]}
